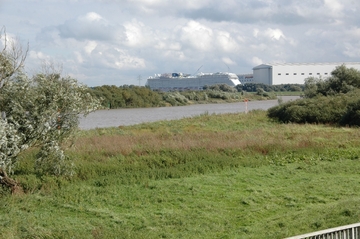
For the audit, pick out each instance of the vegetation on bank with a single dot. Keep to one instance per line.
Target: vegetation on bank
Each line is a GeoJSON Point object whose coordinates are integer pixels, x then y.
{"type": "Point", "coordinates": [335, 100]}
{"type": "Point", "coordinates": [130, 96]}
{"type": "Point", "coordinates": [210, 176]}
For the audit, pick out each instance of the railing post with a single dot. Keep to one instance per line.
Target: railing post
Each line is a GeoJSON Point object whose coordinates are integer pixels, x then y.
{"type": "Point", "coordinates": [351, 231]}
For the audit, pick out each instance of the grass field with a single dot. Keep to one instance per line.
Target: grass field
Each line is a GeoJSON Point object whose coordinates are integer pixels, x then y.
{"type": "Point", "coordinates": [210, 176]}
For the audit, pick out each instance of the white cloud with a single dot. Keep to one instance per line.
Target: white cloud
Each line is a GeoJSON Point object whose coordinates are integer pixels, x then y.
{"type": "Point", "coordinates": [79, 58]}
{"type": "Point", "coordinates": [135, 34]}
{"type": "Point", "coordinates": [91, 26]}
{"type": "Point", "coordinates": [226, 42]}
{"type": "Point", "coordinates": [256, 61]}
{"type": "Point", "coordinates": [334, 6]}
{"type": "Point", "coordinates": [352, 47]}
{"type": "Point", "coordinates": [228, 61]}
{"type": "Point", "coordinates": [104, 55]}
{"type": "Point", "coordinates": [124, 61]}
{"type": "Point", "coordinates": [167, 7]}
{"type": "Point", "coordinates": [147, 2]}
{"type": "Point", "coordinates": [197, 36]}
{"type": "Point", "coordinates": [173, 46]}
{"type": "Point", "coordinates": [259, 47]}
{"type": "Point", "coordinates": [90, 46]}
{"type": "Point", "coordinates": [352, 50]}
{"type": "Point", "coordinates": [91, 17]}
{"type": "Point", "coordinates": [256, 32]}
{"type": "Point", "coordinates": [116, 40]}
{"type": "Point", "coordinates": [274, 34]}
{"type": "Point", "coordinates": [39, 56]}
{"type": "Point", "coordinates": [7, 39]}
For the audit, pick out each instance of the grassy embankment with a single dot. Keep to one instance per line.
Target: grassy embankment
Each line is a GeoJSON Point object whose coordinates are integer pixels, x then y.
{"type": "Point", "coordinates": [211, 176]}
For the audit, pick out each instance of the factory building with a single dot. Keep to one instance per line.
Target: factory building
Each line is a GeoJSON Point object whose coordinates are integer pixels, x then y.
{"type": "Point", "coordinates": [295, 73]}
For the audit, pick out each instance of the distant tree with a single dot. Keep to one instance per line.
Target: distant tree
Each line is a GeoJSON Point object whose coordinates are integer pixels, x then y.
{"type": "Point", "coordinates": [127, 96]}
{"type": "Point", "coordinates": [295, 88]}
{"type": "Point", "coordinates": [239, 88]}
{"type": "Point", "coordinates": [220, 87]}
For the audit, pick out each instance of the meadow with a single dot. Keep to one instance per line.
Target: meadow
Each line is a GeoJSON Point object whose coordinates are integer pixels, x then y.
{"type": "Point", "coordinates": [209, 176]}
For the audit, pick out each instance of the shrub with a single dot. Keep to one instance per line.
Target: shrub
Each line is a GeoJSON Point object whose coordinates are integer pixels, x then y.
{"type": "Point", "coordinates": [334, 100]}
{"type": "Point", "coordinates": [321, 109]}
{"type": "Point", "coordinates": [175, 99]}
{"type": "Point", "coordinates": [352, 115]}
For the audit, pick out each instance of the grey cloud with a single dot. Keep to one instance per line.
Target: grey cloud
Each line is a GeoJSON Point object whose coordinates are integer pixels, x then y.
{"type": "Point", "coordinates": [46, 34]}
{"type": "Point", "coordinates": [80, 29]}
{"type": "Point", "coordinates": [209, 14]}
{"type": "Point", "coordinates": [247, 15]}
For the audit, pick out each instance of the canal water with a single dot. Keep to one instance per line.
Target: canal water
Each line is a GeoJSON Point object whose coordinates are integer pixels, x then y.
{"type": "Point", "coordinates": [124, 117]}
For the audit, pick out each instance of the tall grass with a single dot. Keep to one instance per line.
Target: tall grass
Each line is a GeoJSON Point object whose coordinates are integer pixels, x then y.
{"type": "Point", "coordinates": [210, 176]}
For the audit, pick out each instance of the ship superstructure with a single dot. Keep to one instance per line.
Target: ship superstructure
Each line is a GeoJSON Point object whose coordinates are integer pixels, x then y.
{"type": "Point", "coordinates": [181, 81]}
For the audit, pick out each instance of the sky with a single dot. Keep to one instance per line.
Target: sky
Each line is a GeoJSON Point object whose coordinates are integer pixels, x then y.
{"type": "Point", "coordinates": [123, 42]}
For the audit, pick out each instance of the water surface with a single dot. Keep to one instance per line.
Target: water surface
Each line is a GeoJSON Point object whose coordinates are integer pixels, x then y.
{"type": "Point", "coordinates": [124, 117]}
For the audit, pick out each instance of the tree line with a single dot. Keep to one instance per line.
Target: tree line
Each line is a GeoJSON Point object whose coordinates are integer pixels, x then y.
{"type": "Point", "coordinates": [131, 96]}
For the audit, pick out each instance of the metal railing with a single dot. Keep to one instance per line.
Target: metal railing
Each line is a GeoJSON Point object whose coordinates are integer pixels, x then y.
{"type": "Point", "coordinates": [351, 231]}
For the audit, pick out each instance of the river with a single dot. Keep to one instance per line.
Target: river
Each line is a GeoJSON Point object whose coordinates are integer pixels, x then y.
{"type": "Point", "coordinates": [124, 117]}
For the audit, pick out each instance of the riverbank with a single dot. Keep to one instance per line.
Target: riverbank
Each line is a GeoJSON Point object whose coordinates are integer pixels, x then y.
{"type": "Point", "coordinates": [209, 176]}
{"type": "Point", "coordinates": [126, 117]}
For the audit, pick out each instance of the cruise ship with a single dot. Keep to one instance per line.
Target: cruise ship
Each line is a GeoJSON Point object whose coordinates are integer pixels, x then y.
{"type": "Point", "coordinates": [181, 82]}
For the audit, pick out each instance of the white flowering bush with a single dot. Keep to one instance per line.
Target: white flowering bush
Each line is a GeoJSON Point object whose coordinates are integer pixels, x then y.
{"type": "Point", "coordinates": [42, 111]}
{"type": "Point", "coordinates": [10, 145]}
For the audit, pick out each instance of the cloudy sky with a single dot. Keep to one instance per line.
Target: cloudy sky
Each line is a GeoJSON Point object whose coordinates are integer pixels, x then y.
{"type": "Point", "coordinates": [118, 42]}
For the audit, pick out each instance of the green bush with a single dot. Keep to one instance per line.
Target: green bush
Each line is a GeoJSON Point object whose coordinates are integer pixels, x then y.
{"type": "Point", "coordinates": [352, 115]}
{"type": "Point", "coordinates": [175, 99]}
{"type": "Point", "coordinates": [340, 109]}
{"type": "Point", "coordinates": [221, 87]}
{"type": "Point", "coordinates": [334, 100]}
{"type": "Point", "coordinates": [126, 96]}
{"type": "Point", "coordinates": [253, 87]}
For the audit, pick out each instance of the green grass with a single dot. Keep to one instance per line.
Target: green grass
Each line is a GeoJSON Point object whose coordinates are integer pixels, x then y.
{"type": "Point", "coordinates": [210, 176]}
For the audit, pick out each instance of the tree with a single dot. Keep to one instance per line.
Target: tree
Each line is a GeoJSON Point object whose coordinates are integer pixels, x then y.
{"type": "Point", "coordinates": [312, 86]}
{"type": "Point", "coordinates": [342, 80]}
{"type": "Point", "coordinates": [12, 57]}
{"type": "Point", "coordinates": [41, 111]}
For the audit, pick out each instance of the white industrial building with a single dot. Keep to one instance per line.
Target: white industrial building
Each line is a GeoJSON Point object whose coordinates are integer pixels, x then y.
{"type": "Point", "coordinates": [295, 73]}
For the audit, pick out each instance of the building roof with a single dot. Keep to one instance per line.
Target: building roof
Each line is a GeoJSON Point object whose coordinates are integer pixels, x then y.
{"type": "Point", "coordinates": [270, 65]}
{"type": "Point", "coordinates": [262, 66]}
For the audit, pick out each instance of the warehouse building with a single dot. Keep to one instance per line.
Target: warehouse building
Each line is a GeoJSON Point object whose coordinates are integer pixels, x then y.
{"type": "Point", "coordinates": [295, 73]}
